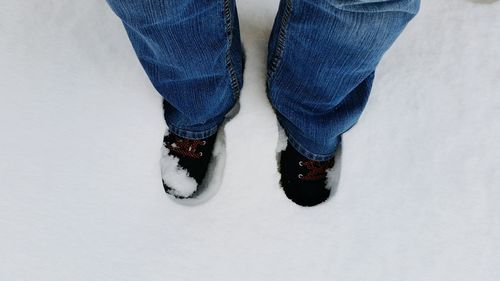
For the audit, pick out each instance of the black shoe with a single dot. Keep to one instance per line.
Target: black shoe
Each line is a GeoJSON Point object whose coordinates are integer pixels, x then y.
{"type": "Point", "coordinates": [185, 163]}
{"type": "Point", "coordinates": [303, 180]}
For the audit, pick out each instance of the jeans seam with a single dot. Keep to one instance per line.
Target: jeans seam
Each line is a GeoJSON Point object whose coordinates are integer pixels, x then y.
{"type": "Point", "coordinates": [280, 44]}
{"type": "Point", "coordinates": [228, 23]}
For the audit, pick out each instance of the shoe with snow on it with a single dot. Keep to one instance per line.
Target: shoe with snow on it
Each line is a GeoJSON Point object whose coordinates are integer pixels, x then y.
{"type": "Point", "coordinates": [304, 181]}
{"type": "Point", "coordinates": [184, 164]}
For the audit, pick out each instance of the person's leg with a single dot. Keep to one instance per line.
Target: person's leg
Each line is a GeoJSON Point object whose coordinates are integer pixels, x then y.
{"type": "Point", "coordinates": [191, 52]}
{"type": "Point", "coordinates": [321, 64]}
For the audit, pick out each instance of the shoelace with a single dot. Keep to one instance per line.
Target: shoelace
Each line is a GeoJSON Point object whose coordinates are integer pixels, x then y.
{"type": "Point", "coordinates": [186, 147]}
{"type": "Point", "coordinates": [315, 170]}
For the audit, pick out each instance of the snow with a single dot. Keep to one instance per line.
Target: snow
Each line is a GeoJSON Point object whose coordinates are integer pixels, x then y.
{"type": "Point", "coordinates": [174, 176]}
{"type": "Point", "coordinates": [80, 179]}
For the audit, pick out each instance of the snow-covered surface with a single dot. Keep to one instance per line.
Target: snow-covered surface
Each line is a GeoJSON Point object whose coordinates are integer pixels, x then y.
{"type": "Point", "coordinates": [81, 194]}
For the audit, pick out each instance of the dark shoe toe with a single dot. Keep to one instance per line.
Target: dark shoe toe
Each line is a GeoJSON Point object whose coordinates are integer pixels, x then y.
{"type": "Point", "coordinates": [306, 196]}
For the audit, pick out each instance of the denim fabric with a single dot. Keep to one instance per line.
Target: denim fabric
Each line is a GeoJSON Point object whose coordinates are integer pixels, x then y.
{"type": "Point", "coordinates": [322, 57]}
{"type": "Point", "coordinates": [191, 52]}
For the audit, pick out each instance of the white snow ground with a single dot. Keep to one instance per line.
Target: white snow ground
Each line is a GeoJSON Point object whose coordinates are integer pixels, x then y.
{"type": "Point", "coordinates": [81, 195]}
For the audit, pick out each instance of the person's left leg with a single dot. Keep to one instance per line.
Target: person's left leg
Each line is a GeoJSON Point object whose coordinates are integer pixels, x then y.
{"type": "Point", "coordinates": [321, 64]}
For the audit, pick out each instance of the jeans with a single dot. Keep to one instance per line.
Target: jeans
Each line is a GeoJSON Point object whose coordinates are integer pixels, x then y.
{"type": "Point", "coordinates": [322, 56]}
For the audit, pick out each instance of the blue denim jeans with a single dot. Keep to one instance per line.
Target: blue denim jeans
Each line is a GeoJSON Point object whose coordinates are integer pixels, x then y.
{"type": "Point", "coordinates": [322, 56]}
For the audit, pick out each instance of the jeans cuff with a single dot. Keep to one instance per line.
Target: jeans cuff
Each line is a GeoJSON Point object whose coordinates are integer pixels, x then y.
{"type": "Point", "coordinates": [297, 144]}
{"type": "Point", "coordinates": [191, 134]}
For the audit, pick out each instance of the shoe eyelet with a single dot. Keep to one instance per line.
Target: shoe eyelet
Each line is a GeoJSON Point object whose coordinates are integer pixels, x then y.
{"type": "Point", "coordinates": [201, 153]}
{"type": "Point", "coordinates": [301, 163]}
{"type": "Point", "coordinates": [204, 142]}
{"type": "Point", "coordinates": [300, 176]}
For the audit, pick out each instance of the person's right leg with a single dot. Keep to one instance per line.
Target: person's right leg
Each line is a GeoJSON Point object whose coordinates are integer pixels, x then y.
{"type": "Point", "coordinates": [191, 52]}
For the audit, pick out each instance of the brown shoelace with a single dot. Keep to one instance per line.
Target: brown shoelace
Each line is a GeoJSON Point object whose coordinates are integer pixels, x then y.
{"type": "Point", "coordinates": [316, 170]}
{"type": "Point", "coordinates": [186, 147]}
